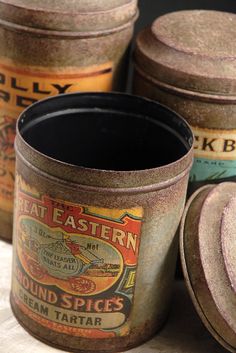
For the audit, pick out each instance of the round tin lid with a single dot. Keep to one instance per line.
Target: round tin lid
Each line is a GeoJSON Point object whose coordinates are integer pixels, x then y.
{"type": "Point", "coordinates": [191, 50]}
{"type": "Point", "coordinates": [208, 258]}
{"type": "Point", "coordinates": [228, 240]}
{"type": "Point", "coordinates": [83, 16]}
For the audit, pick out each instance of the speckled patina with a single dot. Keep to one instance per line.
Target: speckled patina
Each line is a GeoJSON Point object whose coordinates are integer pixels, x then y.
{"type": "Point", "coordinates": [78, 45]}
{"type": "Point", "coordinates": [160, 192]}
{"type": "Point", "coordinates": [208, 257]}
{"type": "Point", "coordinates": [187, 61]}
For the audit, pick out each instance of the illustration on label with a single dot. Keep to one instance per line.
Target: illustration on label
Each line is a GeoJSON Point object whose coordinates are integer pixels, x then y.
{"type": "Point", "coordinates": [215, 154]}
{"type": "Point", "coordinates": [75, 265]}
{"type": "Point", "coordinates": [22, 86]}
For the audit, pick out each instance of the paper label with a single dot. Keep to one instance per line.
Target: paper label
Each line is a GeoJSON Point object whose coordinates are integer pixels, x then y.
{"type": "Point", "coordinates": [215, 154]}
{"type": "Point", "coordinates": [22, 86]}
{"type": "Point", "coordinates": [75, 265]}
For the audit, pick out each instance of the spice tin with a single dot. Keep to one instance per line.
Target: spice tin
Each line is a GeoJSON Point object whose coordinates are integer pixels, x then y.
{"type": "Point", "coordinates": [97, 207]}
{"type": "Point", "coordinates": [208, 258]}
{"type": "Point", "coordinates": [49, 48]}
{"type": "Point", "coordinates": [187, 61]}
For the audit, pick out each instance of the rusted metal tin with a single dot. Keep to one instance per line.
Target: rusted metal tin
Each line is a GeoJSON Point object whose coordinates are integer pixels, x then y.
{"type": "Point", "coordinates": [208, 258]}
{"type": "Point", "coordinates": [92, 184]}
{"type": "Point", "coordinates": [49, 48]}
{"type": "Point", "coordinates": [187, 61]}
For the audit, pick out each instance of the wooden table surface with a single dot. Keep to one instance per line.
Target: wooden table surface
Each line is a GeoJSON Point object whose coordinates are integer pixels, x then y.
{"type": "Point", "coordinates": [183, 333]}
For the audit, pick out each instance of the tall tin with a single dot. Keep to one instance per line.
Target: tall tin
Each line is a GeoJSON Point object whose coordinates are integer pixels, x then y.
{"type": "Point", "coordinates": [96, 212]}
{"type": "Point", "coordinates": [51, 47]}
{"type": "Point", "coordinates": [187, 61]}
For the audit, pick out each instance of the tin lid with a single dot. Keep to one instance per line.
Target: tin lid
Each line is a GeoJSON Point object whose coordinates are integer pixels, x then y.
{"type": "Point", "coordinates": [190, 52]}
{"type": "Point", "coordinates": [208, 257]}
{"type": "Point", "coordinates": [85, 16]}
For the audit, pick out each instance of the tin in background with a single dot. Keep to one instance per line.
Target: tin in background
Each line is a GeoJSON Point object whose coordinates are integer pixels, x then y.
{"type": "Point", "coordinates": [187, 61]}
{"type": "Point", "coordinates": [55, 47]}
{"type": "Point", "coordinates": [96, 212]}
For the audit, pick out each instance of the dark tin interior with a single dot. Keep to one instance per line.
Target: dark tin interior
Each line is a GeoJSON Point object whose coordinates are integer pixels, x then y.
{"type": "Point", "coordinates": [105, 131]}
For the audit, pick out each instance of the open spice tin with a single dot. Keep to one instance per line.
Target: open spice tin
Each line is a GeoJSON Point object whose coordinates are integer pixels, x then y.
{"type": "Point", "coordinates": [207, 245]}
{"type": "Point", "coordinates": [96, 214]}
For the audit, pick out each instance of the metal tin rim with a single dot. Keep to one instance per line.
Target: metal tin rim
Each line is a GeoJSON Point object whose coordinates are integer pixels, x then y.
{"type": "Point", "coordinates": [186, 159]}
{"type": "Point", "coordinates": [184, 50]}
{"type": "Point", "coordinates": [122, 17]}
{"type": "Point", "coordinates": [66, 34]}
{"type": "Point", "coordinates": [128, 190]}
{"type": "Point", "coordinates": [195, 95]}
{"type": "Point", "coordinates": [185, 73]}
{"type": "Point", "coordinates": [6, 2]}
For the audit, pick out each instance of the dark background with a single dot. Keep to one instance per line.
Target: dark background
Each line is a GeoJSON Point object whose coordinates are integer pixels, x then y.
{"type": "Point", "coordinates": [151, 9]}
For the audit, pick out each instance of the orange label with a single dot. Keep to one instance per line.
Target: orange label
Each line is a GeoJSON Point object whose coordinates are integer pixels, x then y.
{"type": "Point", "coordinates": [75, 265]}
{"type": "Point", "coordinates": [20, 87]}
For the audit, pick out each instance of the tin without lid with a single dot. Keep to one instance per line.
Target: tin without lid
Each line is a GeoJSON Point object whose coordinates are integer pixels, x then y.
{"type": "Point", "coordinates": [208, 258]}
{"type": "Point", "coordinates": [86, 16]}
{"type": "Point", "coordinates": [123, 105]}
{"type": "Point", "coordinates": [75, 164]}
{"type": "Point", "coordinates": [191, 51]}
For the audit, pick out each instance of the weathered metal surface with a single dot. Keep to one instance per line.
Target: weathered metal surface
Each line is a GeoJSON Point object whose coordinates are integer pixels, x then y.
{"type": "Point", "coordinates": [187, 61]}
{"type": "Point", "coordinates": [206, 262]}
{"type": "Point", "coordinates": [84, 18]}
{"type": "Point", "coordinates": [182, 333]}
{"type": "Point", "coordinates": [53, 48]}
{"type": "Point", "coordinates": [130, 177]}
{"type": "Point", "coordinates": [228, 241]}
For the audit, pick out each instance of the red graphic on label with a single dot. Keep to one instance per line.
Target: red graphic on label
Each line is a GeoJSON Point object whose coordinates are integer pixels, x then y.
{"type": "Point", "coordinates": [82, 285]}
{"type": "Point", "coordinates": [76, 264]}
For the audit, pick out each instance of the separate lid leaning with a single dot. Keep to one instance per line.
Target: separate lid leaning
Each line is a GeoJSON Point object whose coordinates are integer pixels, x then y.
{"type": "Point", "coordinates": [83, 16]}
{"type": "Point", "coordinates": [191, 50]}
{"type": "Point", "coordinates": [204, 255]}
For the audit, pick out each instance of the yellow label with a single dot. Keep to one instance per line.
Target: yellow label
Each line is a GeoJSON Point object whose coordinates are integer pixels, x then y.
{"type": "Point", "coordinates": [215, 144]}
{"type": "Point", "coordinates": [20, 87]}
{"type": "Point", "coordinates": [75, 265]}
{"type": "Point", "coordinates": [215, 154]}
